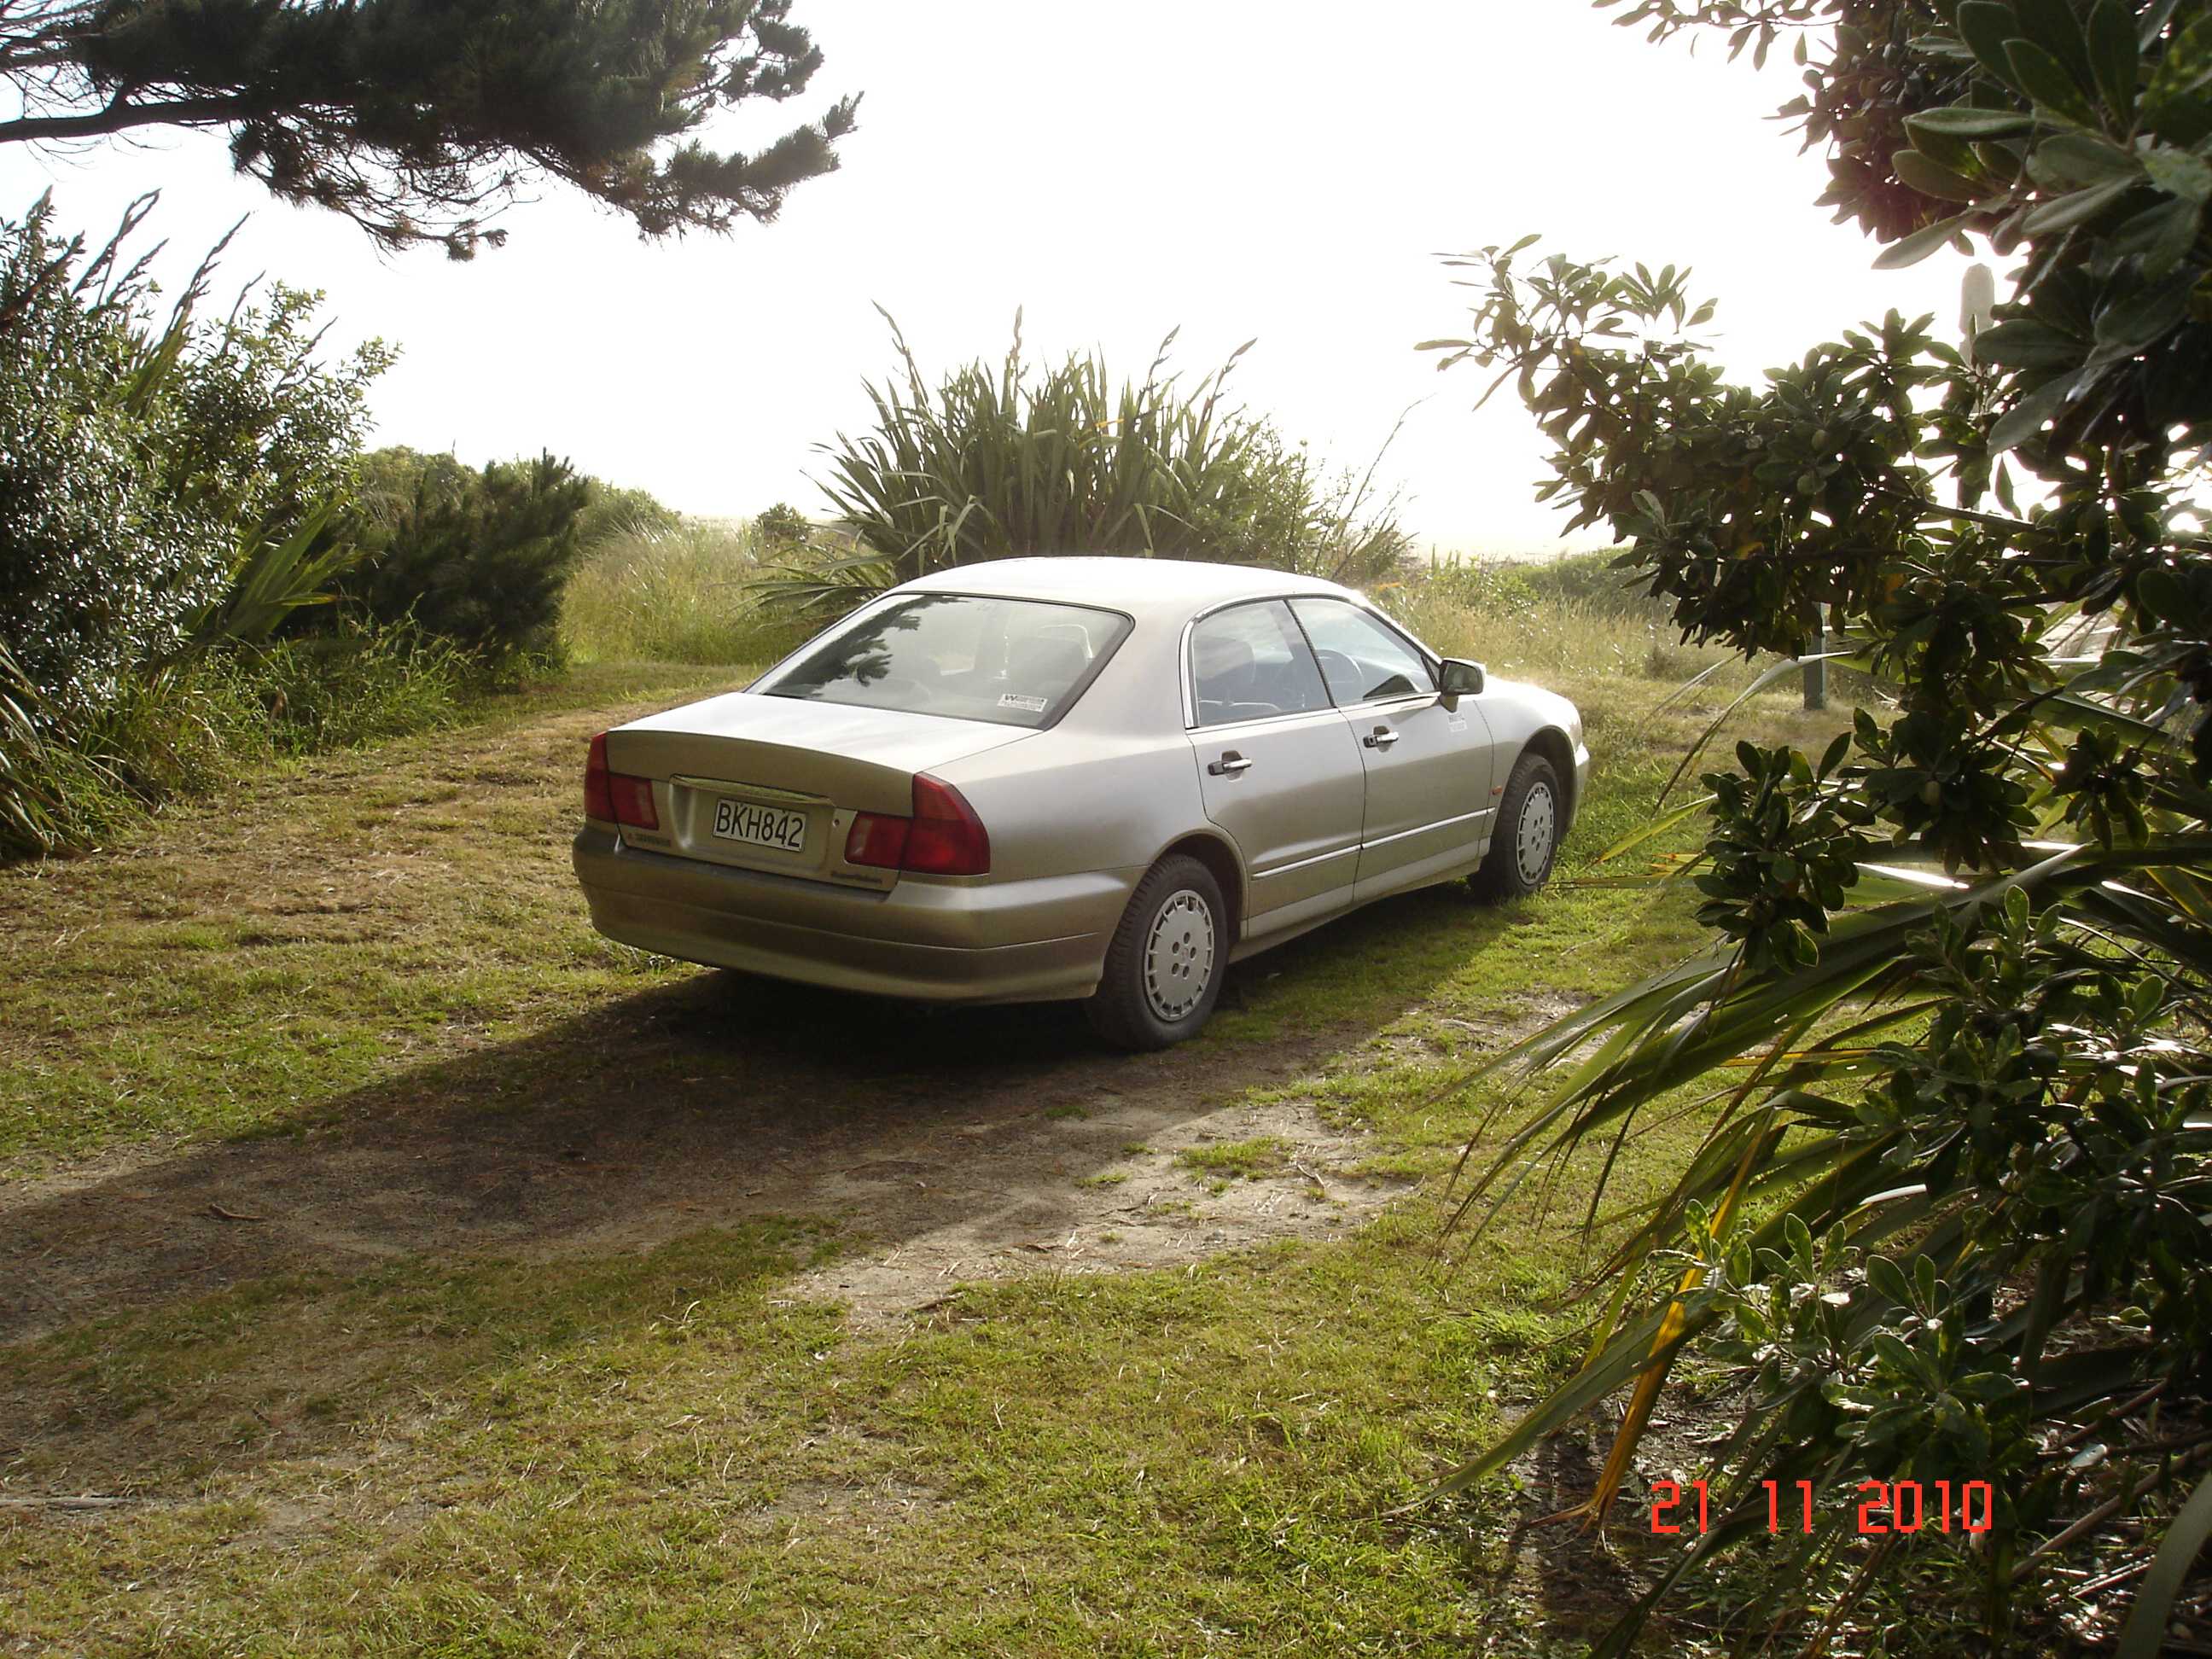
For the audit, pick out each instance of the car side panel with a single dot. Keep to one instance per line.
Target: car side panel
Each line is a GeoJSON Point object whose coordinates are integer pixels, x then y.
{"type": "Point", "coordinates": [1289, 794]}
{"type": "Point", "coordinates": [1429, 805]}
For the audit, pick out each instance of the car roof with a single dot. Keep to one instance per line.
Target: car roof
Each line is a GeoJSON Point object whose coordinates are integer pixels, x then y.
{"type": "Point", "coordinates": [1146, 588]}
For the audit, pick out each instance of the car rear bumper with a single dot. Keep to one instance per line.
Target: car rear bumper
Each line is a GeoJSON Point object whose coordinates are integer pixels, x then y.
{"type": "Point", "coordinates": [934, 940]}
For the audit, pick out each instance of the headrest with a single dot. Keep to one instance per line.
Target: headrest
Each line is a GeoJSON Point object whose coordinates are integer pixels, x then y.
{"type": "Point", "coordinates": [1221, 655]}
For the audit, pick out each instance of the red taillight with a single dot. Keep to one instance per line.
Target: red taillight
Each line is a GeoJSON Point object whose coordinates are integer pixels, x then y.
{"type": "Point", "coordinates": [942, 838]}
{"type": "Point", "coordinates": [598, 798]}
{"type": "Point", "coordinates": [611, 798]}
{"type": "Point", "coordinates": [947, 838]}
{"type": "Point", "coordinates": [875, 838]}
{"type": "Point", "coordinates": [634, 802]}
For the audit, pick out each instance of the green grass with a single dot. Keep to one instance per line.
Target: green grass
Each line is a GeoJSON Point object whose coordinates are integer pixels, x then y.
{"type": "Point", "coordinates": [1246, 1159]}
{"type": "Point", "coordinates": [192, 729]}
{"type": "Point", "coordinates": [654, 1457]}
{"type": "Point", "coordinates": [258, 953]}
{"type": "Point", "coordinates": [584, 1444]}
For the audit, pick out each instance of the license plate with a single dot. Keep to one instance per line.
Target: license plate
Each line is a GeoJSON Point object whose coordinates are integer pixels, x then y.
{"type": "Point", "coordinates": [776, 827]}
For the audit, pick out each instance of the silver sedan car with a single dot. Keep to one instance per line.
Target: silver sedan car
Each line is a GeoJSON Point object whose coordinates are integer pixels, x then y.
{"type": "Point", "coordinates": [1071, 778]}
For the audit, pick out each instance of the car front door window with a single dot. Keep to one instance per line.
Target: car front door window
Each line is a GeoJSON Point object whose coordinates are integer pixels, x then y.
{"type": "Point", "coordinates": [1361, 659]}
{"type": "Point", "coordinates": [1278, 767]}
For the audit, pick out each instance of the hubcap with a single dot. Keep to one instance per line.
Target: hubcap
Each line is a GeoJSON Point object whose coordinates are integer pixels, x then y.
{"type": "Point", "coordinates": [1532, 836]}
{"type": "Point", "coordinates": [1179, 955]}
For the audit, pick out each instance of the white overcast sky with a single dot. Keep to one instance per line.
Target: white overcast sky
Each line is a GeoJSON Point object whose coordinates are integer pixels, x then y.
{"type": "Point", "coordinates": [1238, 167]}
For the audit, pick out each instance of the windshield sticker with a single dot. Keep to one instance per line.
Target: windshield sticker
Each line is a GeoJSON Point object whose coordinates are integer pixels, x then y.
{"type": "Point", "coordinates": [1023, 700]}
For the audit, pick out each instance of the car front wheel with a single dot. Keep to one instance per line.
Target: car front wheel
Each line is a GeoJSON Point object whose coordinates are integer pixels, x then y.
{"type": "Point", "coordinates": [1164, 965]}
{"type": "Point", "coordinates": [1526, 838]}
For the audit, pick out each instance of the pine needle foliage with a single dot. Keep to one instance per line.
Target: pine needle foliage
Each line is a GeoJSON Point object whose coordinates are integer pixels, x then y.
{"type": "Point", "coordinates": [421, 123]}
{"type": "Point", "coordinates": [477, 556]}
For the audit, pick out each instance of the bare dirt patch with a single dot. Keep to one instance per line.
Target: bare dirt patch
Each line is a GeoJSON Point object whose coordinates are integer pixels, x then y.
{"type": "Point", "coordinates": [971, 1145]}
{"type": "Point", "coordinates": [1029, 1207]}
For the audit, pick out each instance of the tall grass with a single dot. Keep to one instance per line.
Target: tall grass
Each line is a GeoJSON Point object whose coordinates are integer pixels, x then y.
{"type": "Point", "coordinates": [1577, 618]}
{"type": "Point", "coordinates": [1563, 621]}
{"type": "Point", "coordinates": [361, 684]}
{"type": "Point", "coordinates": [189, 726]}
{"type": "Point", "coordinates": [686, 593]}
{"type": "Point", "coordinates": [673, 592]}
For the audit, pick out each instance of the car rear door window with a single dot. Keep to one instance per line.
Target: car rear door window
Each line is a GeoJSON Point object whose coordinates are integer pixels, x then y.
{"type": "Point", "coordinates": [1012, 662]}
{"type": "Point", "coordinates": [1250, 662]}
{"type": "Point", "coordinates": [1362, 659]}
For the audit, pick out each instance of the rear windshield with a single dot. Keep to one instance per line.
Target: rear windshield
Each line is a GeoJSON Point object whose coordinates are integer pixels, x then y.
{"type": "Point", "coordinates": [1012, 662]}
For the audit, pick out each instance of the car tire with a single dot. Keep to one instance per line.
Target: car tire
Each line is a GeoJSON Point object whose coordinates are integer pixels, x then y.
{"type": "Point", "coordinates": [1525, 840]}
{"type": "Point", "coordinates": [1165, 964]}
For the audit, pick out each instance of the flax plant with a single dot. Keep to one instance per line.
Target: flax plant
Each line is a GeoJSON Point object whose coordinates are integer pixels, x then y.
{"type": "Point", "coordinates": [1000, 462]}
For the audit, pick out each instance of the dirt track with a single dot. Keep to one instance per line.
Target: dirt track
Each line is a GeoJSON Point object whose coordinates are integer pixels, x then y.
{"type": "Point", "coordinates": [966, 1144]}
{"type": "Point", "coordinates": [951, 1144]}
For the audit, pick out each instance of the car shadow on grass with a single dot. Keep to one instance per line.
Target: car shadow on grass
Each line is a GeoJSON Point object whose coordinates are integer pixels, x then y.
{"type": "Point", "coordinates": [714, 1103]}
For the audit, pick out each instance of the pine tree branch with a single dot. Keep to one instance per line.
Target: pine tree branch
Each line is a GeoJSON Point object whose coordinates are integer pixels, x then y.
{"type": "Point", "coordinates": [120, 115]}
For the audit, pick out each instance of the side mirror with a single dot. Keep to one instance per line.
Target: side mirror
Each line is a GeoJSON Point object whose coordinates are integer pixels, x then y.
{"type": "Point", "coordinates": [1461, 679]}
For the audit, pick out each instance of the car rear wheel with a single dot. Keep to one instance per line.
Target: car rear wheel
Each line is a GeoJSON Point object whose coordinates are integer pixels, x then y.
{"type": "Point", "coordinates": [1526, 838]}
{"type": "Point", "coordinates": [1163, 967]}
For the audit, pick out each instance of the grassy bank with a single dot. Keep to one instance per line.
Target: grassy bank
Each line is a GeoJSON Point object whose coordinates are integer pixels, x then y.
{"type": "Point", "coordinates": [192, 729]}
{"type": "Point", "coordinates": [673, 592]}
{"type": "Point", "coordinates": [503, 1354]}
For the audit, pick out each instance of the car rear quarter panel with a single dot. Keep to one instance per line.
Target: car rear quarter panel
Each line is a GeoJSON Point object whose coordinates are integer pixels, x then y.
{"type": "Point", "coordinates": [1101, 792]}
{"type": "Point", "coordinates": [1067, 802]}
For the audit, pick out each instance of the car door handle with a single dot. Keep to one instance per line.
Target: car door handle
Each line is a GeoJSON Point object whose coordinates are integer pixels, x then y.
{"type": "Point", "coordinates": [1380, 737]}
{"type": "Point", "coordinates": [1228, 765]}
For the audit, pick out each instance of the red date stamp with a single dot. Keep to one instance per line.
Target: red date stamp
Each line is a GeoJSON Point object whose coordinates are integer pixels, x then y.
{"type": "Point", "coordinates": [1880, 1506]}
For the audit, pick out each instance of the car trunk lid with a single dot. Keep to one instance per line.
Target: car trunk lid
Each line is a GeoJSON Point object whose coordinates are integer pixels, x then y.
{"type": "Point", "coordinates": [772, 783]}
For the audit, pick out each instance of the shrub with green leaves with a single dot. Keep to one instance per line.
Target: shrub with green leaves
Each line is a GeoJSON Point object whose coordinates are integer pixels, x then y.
{"type": "Point", "coordinates": [782, 526]}
{"type": "Point", "coordinates": [168, 494]}
{"type": "Point", "coordinates": [1951, 1216]}
{"type": "Point", "coordinates": [102, 562]}
{"type": "Point", "coordinates": [139, 463]}
{"type": "Point", "coordinates": [476, 555]}
{"type": "Point", "coordinates": [170, 497]}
